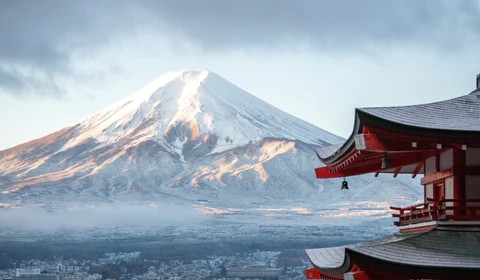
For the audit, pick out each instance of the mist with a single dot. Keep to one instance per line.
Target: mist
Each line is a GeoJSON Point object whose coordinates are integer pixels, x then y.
{"type": "Point", "coordinates": [103, 215]}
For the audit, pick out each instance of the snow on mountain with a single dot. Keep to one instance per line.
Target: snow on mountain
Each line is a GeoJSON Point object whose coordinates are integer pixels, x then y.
{"type": "Point", "coordinates": [187, 136]}
{"type": "Point", "coordinates": [187, 110]}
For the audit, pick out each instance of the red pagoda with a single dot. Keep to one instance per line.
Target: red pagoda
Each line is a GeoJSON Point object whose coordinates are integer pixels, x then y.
{"type": "Point", "coordinates": [437, 239]}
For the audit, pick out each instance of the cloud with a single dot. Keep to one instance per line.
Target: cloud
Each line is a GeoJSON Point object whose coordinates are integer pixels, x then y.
{"type": "Point", "coordinates": [321, 24]}
{"type": "Point", "coordinates": [42, 39]}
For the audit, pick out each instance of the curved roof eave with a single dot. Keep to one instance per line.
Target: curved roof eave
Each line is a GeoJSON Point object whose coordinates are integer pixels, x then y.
{"type": "Point", "coordinates": [465, 107]}
{"type": "Point", "coordinates": [345, 147]}
{"type": "Point", "coordinates": [437, 248]}
{"type": "Point", "coordinates": [333, 260]}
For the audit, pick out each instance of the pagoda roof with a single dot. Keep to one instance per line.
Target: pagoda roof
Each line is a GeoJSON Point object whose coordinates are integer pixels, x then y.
{"type": "Point", "coordinates": [436, 248]}
{"type": "Point", "coordinates": [331, 260]}
{"type": "Point", "coordinates": [457, 114]}
{"type": "Point", "coordinates": [450, 123]}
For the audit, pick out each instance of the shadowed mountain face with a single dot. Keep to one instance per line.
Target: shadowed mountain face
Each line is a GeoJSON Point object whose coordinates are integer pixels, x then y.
{"type": "Point", "coordinates": [187, 135]}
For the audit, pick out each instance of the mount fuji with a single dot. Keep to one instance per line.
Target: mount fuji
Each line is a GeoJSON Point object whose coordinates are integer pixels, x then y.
{"type": "Point", "coordinates": [186, 136]}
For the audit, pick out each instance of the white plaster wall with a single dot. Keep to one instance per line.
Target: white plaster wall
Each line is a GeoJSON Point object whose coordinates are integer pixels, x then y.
{"type": "Point", "coordinates": [473, 157]}
{"type": "Point", "coordinates": [446, 160]}
{"type": "Point", "coordinates": [472, 191]}
{"type": "Point", "coordinates": [430, 167]}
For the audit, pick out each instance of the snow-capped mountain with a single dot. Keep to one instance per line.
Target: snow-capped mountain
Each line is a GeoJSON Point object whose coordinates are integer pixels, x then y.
{"type": "Point", "coordinates": [187, 135]}
{"type": "Point", "coordinates": [194, 111]}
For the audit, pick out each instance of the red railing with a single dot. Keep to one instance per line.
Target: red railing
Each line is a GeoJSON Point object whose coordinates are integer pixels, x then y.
{"type": "Point", "coordinates": [442, 210]}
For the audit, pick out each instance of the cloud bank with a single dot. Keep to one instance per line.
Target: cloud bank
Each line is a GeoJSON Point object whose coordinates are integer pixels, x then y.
{"type": "Point", "coordinates": [42, 41]}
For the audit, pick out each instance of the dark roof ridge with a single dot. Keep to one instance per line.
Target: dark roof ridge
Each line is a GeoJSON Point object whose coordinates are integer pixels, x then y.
{"type": "Point", "coordinates": [421, 104]}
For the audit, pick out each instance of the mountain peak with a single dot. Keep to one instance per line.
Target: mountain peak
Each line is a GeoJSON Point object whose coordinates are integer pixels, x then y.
{"type": "Point", "coordinates": [193, 112]}
{"type": "Point", "coordinates": [184, 129]}
{"type": "Point", "coordinates": [177, 121]}
{"type": "Point", "coordinates": [184, 75]}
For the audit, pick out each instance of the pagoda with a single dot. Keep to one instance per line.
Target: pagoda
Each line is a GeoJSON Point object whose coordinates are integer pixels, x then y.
{"type": "Point", "coordinates": [438, 238]}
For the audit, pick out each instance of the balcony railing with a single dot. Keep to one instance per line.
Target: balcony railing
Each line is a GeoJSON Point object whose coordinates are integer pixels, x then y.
{"type": "Point", "coordinates": [442, 210]}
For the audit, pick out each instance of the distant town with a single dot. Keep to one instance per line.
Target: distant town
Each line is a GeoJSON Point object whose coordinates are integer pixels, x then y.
{"type": "Point", "coordinates": [132, 265]}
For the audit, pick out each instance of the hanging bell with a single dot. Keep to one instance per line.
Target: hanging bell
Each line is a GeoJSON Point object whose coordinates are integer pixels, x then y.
{"type": "Point", "coordinates": [344, 184]}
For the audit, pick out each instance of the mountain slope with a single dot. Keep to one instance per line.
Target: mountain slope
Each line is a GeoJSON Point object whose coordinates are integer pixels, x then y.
{"type": "Point", "coordinates": [189, 109]}
{"type": "Point", "coordinates": [187, 135]}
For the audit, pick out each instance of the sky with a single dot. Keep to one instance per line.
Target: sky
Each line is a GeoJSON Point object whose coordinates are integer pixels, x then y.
{"type": "Point", "coordinates": [61, 61]}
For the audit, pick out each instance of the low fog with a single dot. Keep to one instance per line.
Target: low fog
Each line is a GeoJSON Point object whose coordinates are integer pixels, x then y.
{"type": "Point", "coordinates": [104, 215]}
